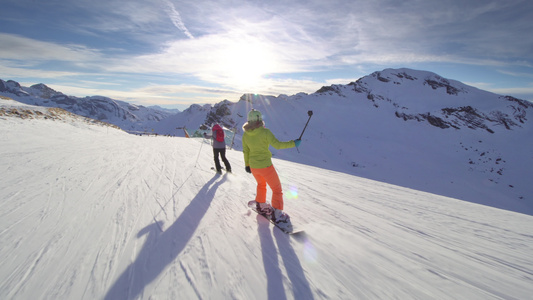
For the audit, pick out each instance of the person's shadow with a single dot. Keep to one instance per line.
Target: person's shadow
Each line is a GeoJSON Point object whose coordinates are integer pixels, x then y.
{"type": "Point", "coordinates": [295, 272]}
{"type": "Point", "coordinates": [162, 248]}
{"type": "Point", "coordinates": [275, 288]}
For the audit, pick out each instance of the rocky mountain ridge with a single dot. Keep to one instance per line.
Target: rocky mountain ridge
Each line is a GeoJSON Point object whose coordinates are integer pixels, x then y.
{"type": "Point", "coordinates": [410, 93]}
{"type": "Point", "coordinates": [125, 115]}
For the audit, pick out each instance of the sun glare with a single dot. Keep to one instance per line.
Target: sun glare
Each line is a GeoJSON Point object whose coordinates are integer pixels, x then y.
{"type": "Point", "coordinates": [245, 64]}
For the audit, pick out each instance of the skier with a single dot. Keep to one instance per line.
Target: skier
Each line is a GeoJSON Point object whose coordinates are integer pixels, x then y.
{"type": "Point", "coordinates": [219, 148]}
{"type": "Point", "coordinates": [257, 160]}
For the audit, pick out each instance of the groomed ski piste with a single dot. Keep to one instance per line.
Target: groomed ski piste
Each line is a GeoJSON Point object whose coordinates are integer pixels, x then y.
{"type": "Point", "coordinates": [91, 212]}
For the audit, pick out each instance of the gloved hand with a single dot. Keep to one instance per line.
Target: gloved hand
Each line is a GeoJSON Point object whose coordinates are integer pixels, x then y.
{"type": "Point", "coordinates": [248, 169]}
{"type": "Point", "coordinates": [297, 142]}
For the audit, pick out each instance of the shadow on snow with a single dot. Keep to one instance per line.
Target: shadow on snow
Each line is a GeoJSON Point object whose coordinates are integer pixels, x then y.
{"type": "Point", "coordinates": [295, 272]}
{"type": "Point", "coordinates": [162, 248]}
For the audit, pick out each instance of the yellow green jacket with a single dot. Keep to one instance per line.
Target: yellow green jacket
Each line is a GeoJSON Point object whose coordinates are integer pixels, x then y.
{"type": "Point", "coordinates": [255, 142]}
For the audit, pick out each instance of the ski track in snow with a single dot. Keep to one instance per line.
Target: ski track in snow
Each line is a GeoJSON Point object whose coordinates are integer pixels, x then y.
{"type": "Point", "coordinates": [93, 213]}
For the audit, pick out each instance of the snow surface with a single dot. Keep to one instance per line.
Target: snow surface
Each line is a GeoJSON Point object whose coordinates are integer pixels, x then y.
{"type": "Point", "coordinates": [90, 212]}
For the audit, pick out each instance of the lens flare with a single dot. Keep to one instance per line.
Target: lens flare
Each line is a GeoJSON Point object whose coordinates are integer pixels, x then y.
{"type": "Point", "coordinates": [310, 253]}
{"type": "Point", "coordinates": [293, 193]}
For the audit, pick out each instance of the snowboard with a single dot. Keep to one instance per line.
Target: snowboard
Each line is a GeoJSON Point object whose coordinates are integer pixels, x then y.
{"type": "Point", "coordinates": [288, 228]}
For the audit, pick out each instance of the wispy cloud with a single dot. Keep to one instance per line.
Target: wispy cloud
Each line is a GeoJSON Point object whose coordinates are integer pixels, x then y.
{"type": "Point", "coordinates": [25, 49]}
{"type": "Point", "coordinates": [10, 70]}
{"type": "Point", "coordinates": [176, 18]}
{"type": "Point", "coordinates": [252, 46]}
{"type": "Point", "coordinates": [520, 92]}
{"type": "Point", "coordinates": [516, 73]}
{"type": "Point", "coordinates": [150, 95]}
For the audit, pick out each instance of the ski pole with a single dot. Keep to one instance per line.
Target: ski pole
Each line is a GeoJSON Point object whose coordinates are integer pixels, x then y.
{"type": "Point", "coordinates": [310, 113]}
{"type": "Point", "coordinates": [199, 151]}
{"type": "Point", "coordinates": [233, 139]}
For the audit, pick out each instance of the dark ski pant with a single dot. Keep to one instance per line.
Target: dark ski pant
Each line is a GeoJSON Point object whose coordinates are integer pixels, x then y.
{"type": "Point", "coordinates": [222, 153]}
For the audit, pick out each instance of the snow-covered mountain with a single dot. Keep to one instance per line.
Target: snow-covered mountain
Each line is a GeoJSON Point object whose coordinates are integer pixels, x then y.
{"type": "Point", "coordinates": [411, 95]}
{"type": "Point", "coordinates": [91, 212]}
{"type": "Point", "coordinates": [125, 115]}
{"type": "Point", "coordinates": [401, 126]}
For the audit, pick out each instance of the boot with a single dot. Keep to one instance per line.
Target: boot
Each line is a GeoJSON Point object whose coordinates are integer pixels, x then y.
{"type": "Point", "coordinates": [264, 208]}
{"type": "Point", "coordinates": [280, 217]}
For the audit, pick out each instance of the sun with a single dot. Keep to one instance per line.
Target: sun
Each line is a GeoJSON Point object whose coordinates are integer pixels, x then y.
{"type": "Point", "coordinates": [246, 64]}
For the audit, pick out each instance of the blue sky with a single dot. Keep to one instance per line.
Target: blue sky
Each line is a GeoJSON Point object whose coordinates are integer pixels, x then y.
{"type": "Point", "coordinates": [174, 53]}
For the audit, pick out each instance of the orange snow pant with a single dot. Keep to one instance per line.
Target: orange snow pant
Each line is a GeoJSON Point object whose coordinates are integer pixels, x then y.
{"type": "Point", "coordinates": [270, 176]}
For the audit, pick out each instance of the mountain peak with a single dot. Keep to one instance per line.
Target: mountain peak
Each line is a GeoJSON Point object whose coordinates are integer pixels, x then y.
{"type": "Point", "coordinates": [404, 76]}
{"type": "Point", "coordinates": [41, 87]}
{"type": "Point", "coordinates": [393, 79]}
{"type": "Point", "coordinates": [43, 91]}
{"type": "Point", "coordinates": [11, 87]}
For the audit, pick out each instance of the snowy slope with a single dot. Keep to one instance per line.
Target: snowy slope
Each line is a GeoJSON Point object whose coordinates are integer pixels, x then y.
{"type": "Point", "coordinates": [90, 212]}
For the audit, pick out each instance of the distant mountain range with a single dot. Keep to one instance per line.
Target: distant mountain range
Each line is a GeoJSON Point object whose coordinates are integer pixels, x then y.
{"type": "Point", "coordinates": [414, 95]}
{"type": "Point", "coordinates": [125, 115]}
{"type": "Point", "coordinates": [402, 126]}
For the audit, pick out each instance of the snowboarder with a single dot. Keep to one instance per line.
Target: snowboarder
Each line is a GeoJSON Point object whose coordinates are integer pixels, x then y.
{"type": "Point", "coordinates": [219, 148]}
{"type": "Point", "coordinates": [257, 160]}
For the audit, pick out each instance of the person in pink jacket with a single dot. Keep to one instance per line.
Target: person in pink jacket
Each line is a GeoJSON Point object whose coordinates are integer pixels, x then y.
{"type": "Point", "coordinates": [258, 161]}
{"type": "Point", "coordinates": [219, 148]}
